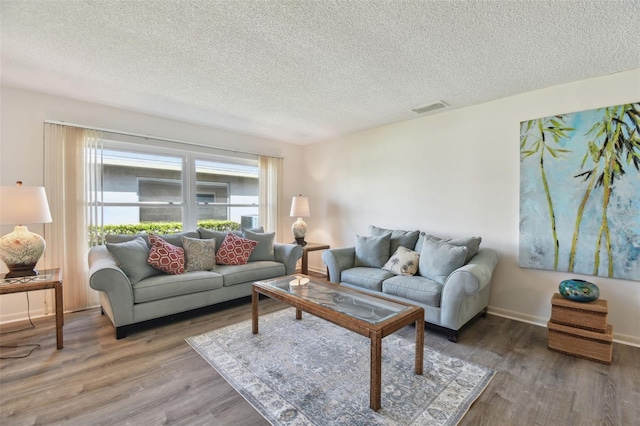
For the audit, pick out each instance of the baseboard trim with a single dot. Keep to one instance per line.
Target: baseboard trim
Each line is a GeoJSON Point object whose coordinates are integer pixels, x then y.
{"type": "Point", "coordinates": [623, 339]}
{"type": "Point", "coordinates": [24, 316]}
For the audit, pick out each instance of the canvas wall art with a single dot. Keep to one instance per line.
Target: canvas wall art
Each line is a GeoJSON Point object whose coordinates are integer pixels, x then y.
{"type": "Point", "coordinates": [580, 192]}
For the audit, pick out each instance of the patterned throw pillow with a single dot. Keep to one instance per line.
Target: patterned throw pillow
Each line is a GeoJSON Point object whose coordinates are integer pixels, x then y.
{"type": "Point", "coordinates": [235, 250]}
{"type": "Point", "coordinates": [403, 262]}
{"type": "Point", "coordinates": [164, 256]}
{"type": "Point", "coordinates": [199, 255]}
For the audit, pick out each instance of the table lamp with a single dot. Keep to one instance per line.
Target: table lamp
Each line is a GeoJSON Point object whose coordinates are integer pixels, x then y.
{"type": "Point", "coordinates": [21, 249]}
{"type": "Point", "coordinates": [299, 209]}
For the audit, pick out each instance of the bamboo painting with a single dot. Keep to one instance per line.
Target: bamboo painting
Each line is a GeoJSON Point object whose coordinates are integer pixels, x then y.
{"type": "Point", "coordinates": [580, 192]}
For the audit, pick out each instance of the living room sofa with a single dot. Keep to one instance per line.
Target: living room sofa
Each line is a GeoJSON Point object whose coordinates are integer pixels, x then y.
{"type": "Point", "coordinates": [449, 278]}
{"type": "Point", "coordinates": [132, 291]}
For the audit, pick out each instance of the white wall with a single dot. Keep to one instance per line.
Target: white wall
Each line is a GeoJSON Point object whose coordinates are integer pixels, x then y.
{"type": "Point", "coordinates": [22, 116]}
{"type": "Point", "coordinates": [454, 174]}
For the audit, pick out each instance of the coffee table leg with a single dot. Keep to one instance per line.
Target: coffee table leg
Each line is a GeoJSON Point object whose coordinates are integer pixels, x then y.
{"type": "Point", "coordinates": [254, 311]}
{"type": "Point", "coordinates": [419, 344]}
{"type": "Point", "coordinates": [59, 315]}
{"type": "Point", "coordinates": [298, 314]}
{"type": "Point", "coordinates": [375, 391]}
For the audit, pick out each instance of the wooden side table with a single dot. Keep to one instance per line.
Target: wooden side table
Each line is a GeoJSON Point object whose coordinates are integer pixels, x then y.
{"type": "Point", "coordinates": [305, 255]}
{"type": "Point", "coordinates": [48, 278]}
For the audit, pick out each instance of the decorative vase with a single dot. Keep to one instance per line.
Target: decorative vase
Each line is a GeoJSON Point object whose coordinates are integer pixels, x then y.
{"type": "Point", "coordinates": [579, 290]}
{"type": "Point", "coordinates": [299, 230]}
{"type": "Point", "coordinates": [20, 250]}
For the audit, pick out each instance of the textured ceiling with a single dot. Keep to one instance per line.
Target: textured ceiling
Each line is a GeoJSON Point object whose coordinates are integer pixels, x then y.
{"type": "Point", "coordinates": [304, 71]}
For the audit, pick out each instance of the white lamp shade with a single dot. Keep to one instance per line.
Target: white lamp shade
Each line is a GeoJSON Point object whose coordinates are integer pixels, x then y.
{"type": "Point", "coordinates": [21, 205]}
{"type": "Point", "coordinates": [300, 207]}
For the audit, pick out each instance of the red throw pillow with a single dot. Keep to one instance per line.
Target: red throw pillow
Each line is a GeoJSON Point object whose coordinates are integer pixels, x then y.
{"type": "Point", "coordinates": [235, 250]}
{"type": "Point", "coordinates": [166, 257]}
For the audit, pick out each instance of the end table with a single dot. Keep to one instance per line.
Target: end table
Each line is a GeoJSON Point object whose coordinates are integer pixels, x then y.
{"type": "Point", "coordinates": [305, 255]}
{"type": "Point", "coordinates": [48, 278]}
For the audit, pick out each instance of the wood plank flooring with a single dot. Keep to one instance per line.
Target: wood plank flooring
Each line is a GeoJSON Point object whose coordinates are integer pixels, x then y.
{"type": "Point", "coordinates": [153, 377]}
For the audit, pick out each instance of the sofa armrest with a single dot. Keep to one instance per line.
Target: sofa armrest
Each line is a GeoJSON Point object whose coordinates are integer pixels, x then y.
{"type": "Point", "coordinates": [288, 254]}
{"type": "Point", "coordinates": [337, 260]}
{"type": "Point", "coordinates": [466, 291]}
{"type": "Point", "coordinates": [107, 277]}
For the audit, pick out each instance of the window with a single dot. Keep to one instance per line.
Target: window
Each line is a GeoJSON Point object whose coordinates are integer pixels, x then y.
{"type": "Point", "coordinates": [174, 189]}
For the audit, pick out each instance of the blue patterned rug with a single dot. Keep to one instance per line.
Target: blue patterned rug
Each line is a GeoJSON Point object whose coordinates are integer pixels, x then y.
{"type": "Point", "coordinates": [311, 372]}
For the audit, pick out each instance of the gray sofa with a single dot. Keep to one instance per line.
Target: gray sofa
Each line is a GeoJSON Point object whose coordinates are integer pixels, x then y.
{"type": "Point", "coordinates": [142, 293]}
{"type": "Point", "coordinates": [449, 278]}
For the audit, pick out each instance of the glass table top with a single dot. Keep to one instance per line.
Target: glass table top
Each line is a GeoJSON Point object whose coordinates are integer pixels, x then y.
{"type": "Point", "coordinates": [27, 279]}
{"type": "Point", "coordinates": [338, 298]}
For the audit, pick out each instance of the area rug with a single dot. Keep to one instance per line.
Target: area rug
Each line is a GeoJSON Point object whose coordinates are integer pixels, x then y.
{"type": "Point", "coordinates": [312, 372]}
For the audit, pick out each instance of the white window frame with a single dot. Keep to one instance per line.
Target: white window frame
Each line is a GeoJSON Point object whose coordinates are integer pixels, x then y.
{"type": "Point", "coordinates": [188, 203]}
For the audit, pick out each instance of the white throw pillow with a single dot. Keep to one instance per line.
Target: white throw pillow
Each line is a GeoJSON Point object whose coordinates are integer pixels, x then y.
{"type": "Point", "coordinates": [403, 262]}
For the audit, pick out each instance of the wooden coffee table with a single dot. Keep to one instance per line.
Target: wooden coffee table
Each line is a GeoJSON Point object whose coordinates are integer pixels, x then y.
{"type": "Point", "coordinates": [371, 316]}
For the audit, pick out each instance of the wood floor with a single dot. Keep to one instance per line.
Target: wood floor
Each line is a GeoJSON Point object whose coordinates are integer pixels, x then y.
{"type": "Point", "coordinates": [153, 377]}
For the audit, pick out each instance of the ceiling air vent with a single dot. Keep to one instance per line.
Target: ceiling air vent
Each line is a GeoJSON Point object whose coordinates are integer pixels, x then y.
{"type": "Point", "coordinates": [430, 107]}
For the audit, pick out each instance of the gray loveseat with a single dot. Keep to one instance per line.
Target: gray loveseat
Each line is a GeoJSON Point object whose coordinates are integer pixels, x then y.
{"type": "Point", "coordinates": [449, 278]}
{"type": "Point", "coordinates": [131, 291]}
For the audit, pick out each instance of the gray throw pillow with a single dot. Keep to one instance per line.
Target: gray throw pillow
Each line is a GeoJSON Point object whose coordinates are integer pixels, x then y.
{"type": "Point", "coordinates": [123, 238]}
{"type": "Point", "coordinates": [372, 251]}
{"type": "Point", "coordinates": [219, 236]}
{"type": "Point", "coordinates": [264, 250]}
{"type": "Point", "coordinates": [438, 260]}
{"type": "Point", "coordinates": [199, 255]}
{"type": "Point", "coordinates": [131, 257]}
{"type": "Point", "coordinates": [471, 243]}
{"type": "Point", "coordinates": [399, 238]}
{"type": "Point", "coordinates": [176, 239]}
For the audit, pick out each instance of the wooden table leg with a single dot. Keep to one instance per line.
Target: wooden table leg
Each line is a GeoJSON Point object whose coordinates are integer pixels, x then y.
{"type": "Point", "coordinates": [254, 311]}
{"type": "Point", "coordinates": [419, 344]}
{"type": "Point", "coordinates": [375, 391]}
{"type": "Point", "coordinates": [298, 314]}
{"type": "Point", "coordinates": [59, 315]}
{"type": "Point", "coordinates": [305, 263]}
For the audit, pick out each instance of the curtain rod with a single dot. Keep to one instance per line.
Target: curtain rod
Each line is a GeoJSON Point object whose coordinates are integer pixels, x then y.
{"type": "Point", "coordinates": [159, 138]}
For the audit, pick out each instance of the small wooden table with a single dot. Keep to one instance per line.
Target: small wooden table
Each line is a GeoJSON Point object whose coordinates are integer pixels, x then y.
{"type": "Point", "coordinates": [47, 278]}
{"type": "Point", "coordinates": [368, 315]}
{"type": "Point", "coordinates": [305, 254]}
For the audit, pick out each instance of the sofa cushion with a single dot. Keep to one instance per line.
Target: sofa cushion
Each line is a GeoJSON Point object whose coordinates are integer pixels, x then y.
{"type": "Point", "coordinates": [399, 238]}
{"type": "Point", "coordinates": [252, 271]}
{"type": "Point", "coordinates": [175, 239]}
{"type": "Point", "coordinates": [417, 288]}
{"type": "Point", "coordinates": [264, 249]}
{"type": "Point", "coordinates": [471, 243]}
{"type": "Point", "coordinates": [369, 278]}
{"type": "Point", "coordinates": [166, 257]}
{"type": "Point", "coordinates": [199, 255]}
{"type": "Point", "coordinates": [166, 286]}
{"type": "Point", "coordinates": [372, 251]}
{"type": "Point", "coordinates": [438, 259]}
{"type": "Point", "coordinates": [403, 262]}
{"type": "Point", "coordinates": [219, 235]}
{"type": "Point", "coordinates": [131, 256]}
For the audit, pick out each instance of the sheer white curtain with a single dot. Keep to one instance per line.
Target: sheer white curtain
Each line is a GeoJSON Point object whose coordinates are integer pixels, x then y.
{"type": "Point", "coordinates": [270, 171]}
{"type": "Point", "coordinates": [70, 178]}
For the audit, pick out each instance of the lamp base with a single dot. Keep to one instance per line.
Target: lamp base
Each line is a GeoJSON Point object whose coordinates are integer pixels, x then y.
{"type": "Point", "coordinates": [26, 271]}
{"type": "Point", "coordinates": [299, 230]}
